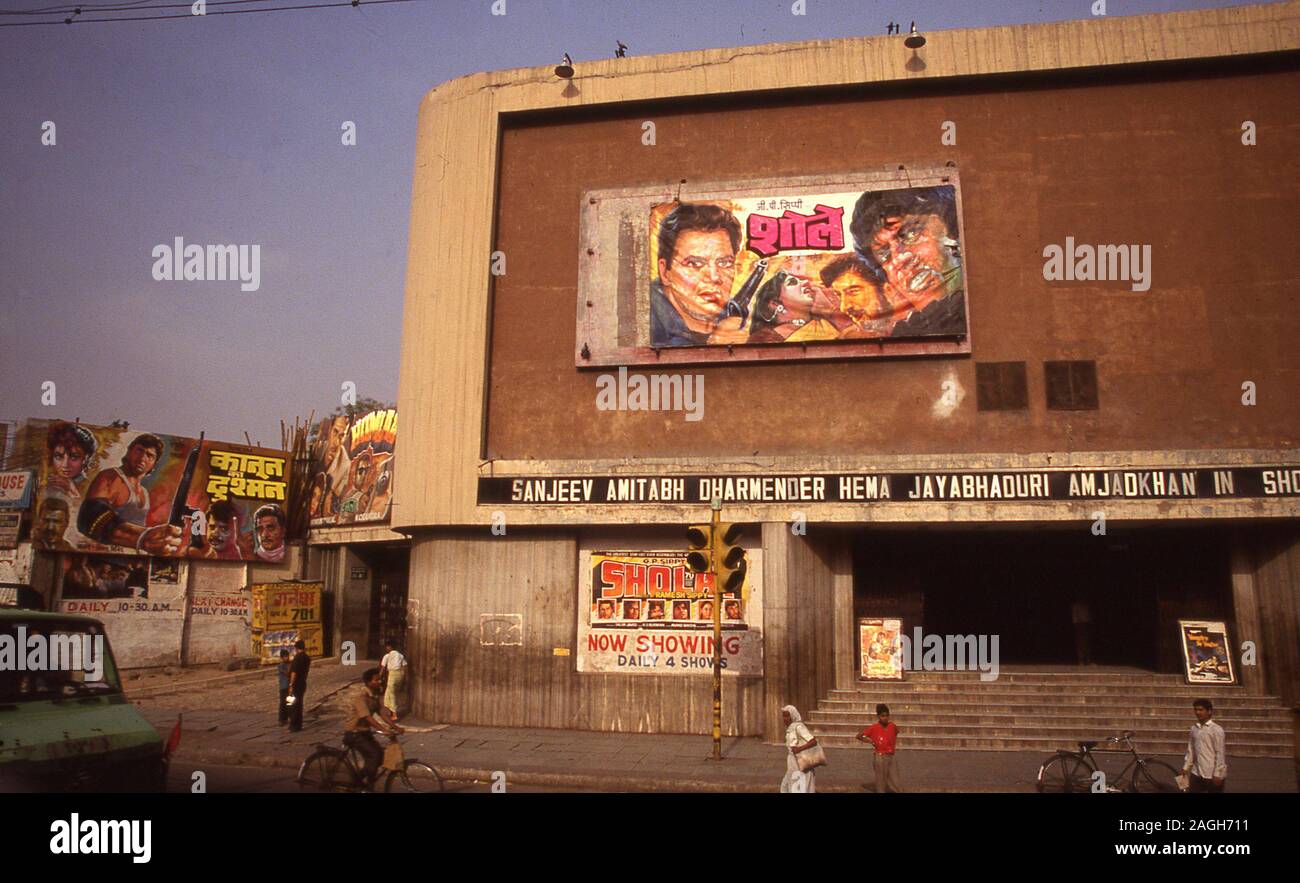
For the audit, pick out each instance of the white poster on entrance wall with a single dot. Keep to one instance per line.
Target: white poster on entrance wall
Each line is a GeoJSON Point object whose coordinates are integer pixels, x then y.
{"type": "Point", "coordinates": [16, 565]}
{"type": "Point", "coordinates": [644, 612]}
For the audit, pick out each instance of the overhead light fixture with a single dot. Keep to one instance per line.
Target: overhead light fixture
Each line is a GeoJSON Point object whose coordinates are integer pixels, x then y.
{"type": "Point", "coordinates": [914, 39]}
{"type": "Point", "coordinates": [564, 70]}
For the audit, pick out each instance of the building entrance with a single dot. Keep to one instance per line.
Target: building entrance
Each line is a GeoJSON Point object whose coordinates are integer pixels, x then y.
{"type": "Point", "coordinates": [1053, 596]}
{"type": "Point", "coordinates": [388, 599]}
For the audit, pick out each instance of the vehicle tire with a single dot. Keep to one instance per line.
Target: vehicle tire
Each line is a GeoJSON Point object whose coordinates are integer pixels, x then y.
{"type": "Point", "coordinates": [319, 770]}
{"type": "Point", "coordinates": [1065, 773]}
{"type": "Point", "coordinates": [415, 776]}
{"type": "Point", "coordinates": [1155, 777]}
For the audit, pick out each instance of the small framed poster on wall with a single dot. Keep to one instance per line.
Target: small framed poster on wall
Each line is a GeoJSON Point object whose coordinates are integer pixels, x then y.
{"type": "Point", "coordinates": [880, 643]}
{"type": "Point", "coordinates": [1207, 655]}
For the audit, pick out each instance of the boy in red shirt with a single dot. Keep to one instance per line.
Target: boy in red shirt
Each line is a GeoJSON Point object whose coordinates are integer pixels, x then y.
{"type": "Point", "coordinates": [883, 736]}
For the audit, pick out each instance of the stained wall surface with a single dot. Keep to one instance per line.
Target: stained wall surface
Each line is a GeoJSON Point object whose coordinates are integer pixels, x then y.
{"type": "Point", "coordinates": [1113, 157]}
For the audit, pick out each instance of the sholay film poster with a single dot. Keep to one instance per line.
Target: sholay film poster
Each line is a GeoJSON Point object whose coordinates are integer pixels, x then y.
{"type": "Point", "coordinates": [647, 613]}
{"type": "Point", "coordinates": [872, 265]}
{"type": "Point", "coordinates": [1206, 652]}
{"type": "Point", "coordinates": [106, 489]}
{"type": "Point", "coordinates": [352, 471]}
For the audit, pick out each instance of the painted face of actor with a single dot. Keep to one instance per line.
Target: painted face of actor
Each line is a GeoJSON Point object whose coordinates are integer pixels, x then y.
{"type": "Point", "coordinates": [860, 298]}
{"type": "Point", "coordinates": [68, 462]}
{"type": "Point", "coordinates": [605, 610]}
{"type": "Point", "coordinates": [220, 533]}
{"type": "Point", "coordinates": [919, 257]}
{"type": "Point", "coordinates": [632, 610]}
{"type": "Point", "coordinates": [139, 460]}
{"type": "Point", "coordinates": [656, 611]}
{"type": "Point", "coordinates": [697, 279]}
{"type": "Point", "coordinates": [706, 610]}
{"type": "Point", "coordinates": [338, 432]}
{"type": "Point", "coordinates": [733, 610]}
{"type": "Point", "coordinates": [270, 534]}
{"type": "Point", "coordinates": [681, 610]}
{"type": "Point", "coordinates": [54, 521]}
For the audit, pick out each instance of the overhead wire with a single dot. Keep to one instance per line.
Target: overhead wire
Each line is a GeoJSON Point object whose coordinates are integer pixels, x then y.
{"type": "Point", "coordinates": [95, 21]}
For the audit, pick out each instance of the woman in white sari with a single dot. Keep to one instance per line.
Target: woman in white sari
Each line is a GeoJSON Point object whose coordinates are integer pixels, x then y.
{"type": "Point", "coordinates": [797, 739]}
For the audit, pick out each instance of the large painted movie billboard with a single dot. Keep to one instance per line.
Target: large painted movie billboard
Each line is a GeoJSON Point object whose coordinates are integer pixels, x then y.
{"type": "Point", "coordinates": [352, 468]}
{"type": "Point", "coordinates": [109, 489]}
{"type": "Point", "coordinates": [872, 265]}
{"type": "Point", "coordinates": [645, 612]}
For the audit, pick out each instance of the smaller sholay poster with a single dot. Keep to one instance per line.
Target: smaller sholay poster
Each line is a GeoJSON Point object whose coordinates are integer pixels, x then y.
{"type": "Point", "coordinates": [1207, 655]}
{"type": "Point", "coordinates": [882, 648]}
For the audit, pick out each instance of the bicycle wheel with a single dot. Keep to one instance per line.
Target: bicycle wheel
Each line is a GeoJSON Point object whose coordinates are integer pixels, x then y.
{"type": "Point", "coordinates": [319, 771]}
{"type": "Point", "coordinates": [1155, 777]}
{"type": "Point", "coordinates": [415, 776]}
{"type": "Point", "coordinates": [1064, 773]}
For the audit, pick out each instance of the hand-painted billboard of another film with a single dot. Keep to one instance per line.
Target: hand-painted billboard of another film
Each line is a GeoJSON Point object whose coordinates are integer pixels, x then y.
{"type": "Point", "coordinates": [838, 266]}
{"type": "Point", "coordinates": [112, 489]}
{"type": "Point", "coordinates": [352, 471]}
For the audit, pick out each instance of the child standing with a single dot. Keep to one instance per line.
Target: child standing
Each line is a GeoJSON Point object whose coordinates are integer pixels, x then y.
{"type": "Point", "coordinates": [283, 671]}
{"type": "Point", "coordinates": [883, 736]}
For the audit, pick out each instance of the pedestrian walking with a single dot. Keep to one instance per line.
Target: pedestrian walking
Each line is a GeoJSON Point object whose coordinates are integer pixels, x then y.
{"type": "Point", "coordinates": [800, 777]}
{"type": "Point", "coordinates": [393, 665]}
{"type": "Point", "coordinates": [883, 737]}
{"type": "Point", "coordinates": [282, 673]}
{"type": "Point", "coordinates": [298, 685]}
{"type": "Point", "coordinates": [1206, 763]}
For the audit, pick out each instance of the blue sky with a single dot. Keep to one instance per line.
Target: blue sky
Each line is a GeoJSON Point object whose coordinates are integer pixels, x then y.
{"type": "Point", "coordinates": [226, 129]}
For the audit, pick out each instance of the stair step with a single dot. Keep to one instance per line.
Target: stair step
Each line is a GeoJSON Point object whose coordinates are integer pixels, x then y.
{"type": "Point", "coordinates": [1101, 709]}
{"type": "Point", "coordinates": [1093, 723]}
{"type": "Point", "coordinates": [1171, 751]}
{"type": "Point", "coordinates": [1069, 732]}
{"type": "Point", "coordinates": [895, 688]}
{"type": "Point", "coordinates": [1050, 710]}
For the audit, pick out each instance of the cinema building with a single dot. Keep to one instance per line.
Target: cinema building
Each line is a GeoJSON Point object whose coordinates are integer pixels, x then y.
{"type": "Point", "coordinates": [984, 338]}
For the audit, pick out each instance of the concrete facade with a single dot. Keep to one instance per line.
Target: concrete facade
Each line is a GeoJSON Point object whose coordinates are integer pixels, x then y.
{"type": "Point", "coordinates": [1109, 130]}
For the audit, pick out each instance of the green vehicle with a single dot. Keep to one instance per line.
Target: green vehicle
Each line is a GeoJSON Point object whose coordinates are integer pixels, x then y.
{"type": "Point", "coordinates": [62, 729]}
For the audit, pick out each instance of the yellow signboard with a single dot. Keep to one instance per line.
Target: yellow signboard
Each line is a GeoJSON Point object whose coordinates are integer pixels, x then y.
{"type": "Point", "coordinates": [284, 613]}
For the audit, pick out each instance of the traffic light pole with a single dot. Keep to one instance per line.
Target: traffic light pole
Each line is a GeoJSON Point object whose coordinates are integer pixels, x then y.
{"type": "Point", "coordinates": [718, 550]}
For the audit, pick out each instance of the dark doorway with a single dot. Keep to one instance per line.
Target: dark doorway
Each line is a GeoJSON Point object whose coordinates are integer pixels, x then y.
{"type": "Point", "coordinates": [1023, 586]}
{"type": "Point", "coordinates": [390, 567]}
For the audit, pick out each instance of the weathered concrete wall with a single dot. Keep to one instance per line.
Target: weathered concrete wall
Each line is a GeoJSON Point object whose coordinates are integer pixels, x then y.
{"type": "Point", "coordinates": [143, 632]}
{"type": "Point", "coordinates": [1040, 154]}
{"type": "Point", "coordinates": [455, 578]}
{"type": "Point", "coordinates": [1277, 585]}
{"type": "Point", "coordinates": [219, 627]}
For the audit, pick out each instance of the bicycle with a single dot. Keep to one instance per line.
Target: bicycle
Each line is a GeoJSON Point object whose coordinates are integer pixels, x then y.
{"type": "Point", "coordinates": [329, 768]}
{"type": "Point", "coordinates": [1071, 772]}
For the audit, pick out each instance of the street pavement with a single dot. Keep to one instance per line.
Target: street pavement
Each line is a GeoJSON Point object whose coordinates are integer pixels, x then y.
{"type": "Point", "coordinates": [230, 721]}
{"type": "Point", "coordinates": [225, 779]}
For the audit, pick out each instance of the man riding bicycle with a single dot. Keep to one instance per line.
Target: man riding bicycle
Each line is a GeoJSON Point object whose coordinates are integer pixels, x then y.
{"type": "Point", "coordinates": [367, 716]}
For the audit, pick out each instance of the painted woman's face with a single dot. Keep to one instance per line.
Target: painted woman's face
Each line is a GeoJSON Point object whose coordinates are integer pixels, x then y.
{"type": "Point", "coordinates": [68, 462]}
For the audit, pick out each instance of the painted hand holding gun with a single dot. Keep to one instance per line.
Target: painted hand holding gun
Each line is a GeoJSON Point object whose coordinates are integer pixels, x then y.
{"type": "Point", "coordinates": [732, 326]}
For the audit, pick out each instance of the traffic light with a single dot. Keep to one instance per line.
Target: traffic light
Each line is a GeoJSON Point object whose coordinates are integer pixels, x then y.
{"type": "Point", "coordinates": [728, 557]}
{"type": "Point", "coordinates": [700, 557]}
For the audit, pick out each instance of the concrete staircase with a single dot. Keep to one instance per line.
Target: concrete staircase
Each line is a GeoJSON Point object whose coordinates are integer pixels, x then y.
{"type": "Point", "coordinates": [1045, 710]}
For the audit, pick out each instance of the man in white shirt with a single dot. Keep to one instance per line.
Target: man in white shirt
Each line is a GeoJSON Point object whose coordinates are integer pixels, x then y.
{"type": "Point", "coordinates": [393, 666]}
{"type": "Point", "coordinates": [1206, 764]}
